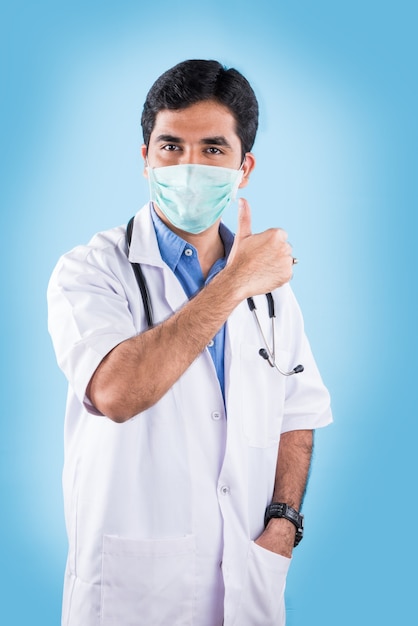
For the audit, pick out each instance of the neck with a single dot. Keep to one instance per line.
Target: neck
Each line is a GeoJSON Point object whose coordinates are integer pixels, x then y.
{"type": "Point", "coordinates": [208, 244]}
{"type": "Point", "coordinates": [209, 247]}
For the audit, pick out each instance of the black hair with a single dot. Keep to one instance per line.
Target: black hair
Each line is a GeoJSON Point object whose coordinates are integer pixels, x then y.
{"type": "Point", "coordinates": [193, 81]}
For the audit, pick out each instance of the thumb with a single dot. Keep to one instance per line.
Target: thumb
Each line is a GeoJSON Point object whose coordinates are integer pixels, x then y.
{"type": "Point", "coordinates": [244, 219]}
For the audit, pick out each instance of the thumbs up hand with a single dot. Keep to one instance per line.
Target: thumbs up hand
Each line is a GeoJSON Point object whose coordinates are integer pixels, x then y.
{"type": "Point", "coordinates": [261, 262]}
{"type": "Point", "coordinates": [244, 219]}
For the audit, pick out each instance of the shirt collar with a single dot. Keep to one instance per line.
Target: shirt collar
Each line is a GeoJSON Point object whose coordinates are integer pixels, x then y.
{"type": "Point", "coordinates": [172, 246]}
{"type": "Point", "coordinates": [227, 238]}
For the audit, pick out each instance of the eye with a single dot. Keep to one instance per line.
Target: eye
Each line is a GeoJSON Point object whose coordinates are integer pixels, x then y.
{"type": "Point", "coordinates": [213, 150]}
{"type": "Point", "coordinates": [170, 147]}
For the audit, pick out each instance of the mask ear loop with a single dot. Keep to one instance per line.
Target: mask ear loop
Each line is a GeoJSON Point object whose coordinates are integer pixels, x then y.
{"type": "Point", "coordinates": [241, 167]}
{"type": "Point", "coordinates": [148, 169]}
{"type": "Point", "coordinates": [240, 176]}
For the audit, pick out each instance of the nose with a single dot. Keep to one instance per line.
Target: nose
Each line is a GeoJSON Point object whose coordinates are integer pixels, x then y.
{"type": "Point", "coordinates": [191, 156]}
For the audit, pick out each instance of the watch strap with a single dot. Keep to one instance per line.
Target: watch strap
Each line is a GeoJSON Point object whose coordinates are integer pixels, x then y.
{"type": "Point", "coordinates": [281, 509]}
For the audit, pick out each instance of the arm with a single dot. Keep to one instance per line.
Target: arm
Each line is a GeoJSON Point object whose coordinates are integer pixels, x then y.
{"type": "Point", "coordinates": [292, 471]}
{"type": "Point", "coordinates": [139, 371]}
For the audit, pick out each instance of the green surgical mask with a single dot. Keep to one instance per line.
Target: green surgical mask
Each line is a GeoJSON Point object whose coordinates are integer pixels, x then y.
{"type": "Point", "coordinates": [193, 197]}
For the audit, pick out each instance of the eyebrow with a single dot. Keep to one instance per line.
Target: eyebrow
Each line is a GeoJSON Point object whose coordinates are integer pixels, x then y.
{"type": "Point", "coordinates": [169, 138]}
{"type": "Point", "coordinates": [218, 140]}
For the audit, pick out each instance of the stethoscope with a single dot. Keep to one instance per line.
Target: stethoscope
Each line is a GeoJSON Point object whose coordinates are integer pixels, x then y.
{"type": "Point", "coordinates": [266, 353]}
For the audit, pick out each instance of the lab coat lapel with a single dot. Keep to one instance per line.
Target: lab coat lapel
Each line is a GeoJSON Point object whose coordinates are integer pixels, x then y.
{"type": "Point", "coordinates": [174, 292]}
{"type": "Point", "coordinates": [144, 250]}
{"type": "Point", "coordinates": [235, 330]}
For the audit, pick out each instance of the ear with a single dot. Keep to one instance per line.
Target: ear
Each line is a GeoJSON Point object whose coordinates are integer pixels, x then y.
{"type": "Point", "coordinates": [248, 166]}
{"type": "Point", "coordinates": [144, 156]}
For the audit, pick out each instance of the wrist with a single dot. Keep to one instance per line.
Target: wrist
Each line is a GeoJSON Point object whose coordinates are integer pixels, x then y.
{"type": "Point", "coordinates": [278, 537]}
{"type": "Point", "coordinates": [282, 512]}
{"type": "Point", "coordinates": [281, 526]}
{"type": "Point", "coordinates": [232, 284]}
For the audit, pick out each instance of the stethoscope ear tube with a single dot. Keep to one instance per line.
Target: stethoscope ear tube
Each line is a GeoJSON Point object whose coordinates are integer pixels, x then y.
{"type": "Point", "coordinates": [140, 279]}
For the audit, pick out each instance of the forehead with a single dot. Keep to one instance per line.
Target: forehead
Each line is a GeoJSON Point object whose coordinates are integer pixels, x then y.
{"type": "Point", "coordinates": [203, 119]}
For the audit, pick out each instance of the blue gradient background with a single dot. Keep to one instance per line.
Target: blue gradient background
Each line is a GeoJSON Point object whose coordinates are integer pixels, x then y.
{"type": "Point", "coordinates": [337, 168]}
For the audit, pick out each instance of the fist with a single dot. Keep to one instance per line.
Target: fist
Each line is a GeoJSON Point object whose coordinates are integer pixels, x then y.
{"type": "Point", "coordinates": [262, 262]}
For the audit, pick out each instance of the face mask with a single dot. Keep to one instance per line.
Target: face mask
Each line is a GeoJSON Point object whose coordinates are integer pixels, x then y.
{"type": "Point", "coordinates": [193, 197]}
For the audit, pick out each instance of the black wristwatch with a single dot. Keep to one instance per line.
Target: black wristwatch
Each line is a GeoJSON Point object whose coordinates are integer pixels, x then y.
{"type": "Point", "coordinates": [280, 509]}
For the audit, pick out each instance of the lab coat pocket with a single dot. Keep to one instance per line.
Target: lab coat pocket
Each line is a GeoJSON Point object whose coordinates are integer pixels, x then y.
{"type": "Point", "coordinates": [262, 599]}
{"type": "Point", "coordinates": [262, 396]}
{"type": "Point", "coordinates": [147, 582]}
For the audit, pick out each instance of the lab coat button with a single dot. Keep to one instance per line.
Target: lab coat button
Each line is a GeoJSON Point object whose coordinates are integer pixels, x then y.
{"type": "Point", "coordinates": [225, 490]}
{"type": "Point", "coordinates": [216, 415]}
{"type": "Point", "coordinates": [188, 251]}
{"type": "Point", "coordinates": [211, 343]}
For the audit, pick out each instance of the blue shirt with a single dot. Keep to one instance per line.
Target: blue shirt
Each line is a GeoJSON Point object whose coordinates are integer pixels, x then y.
{"type": "Point", "coordinates": [182, 258]}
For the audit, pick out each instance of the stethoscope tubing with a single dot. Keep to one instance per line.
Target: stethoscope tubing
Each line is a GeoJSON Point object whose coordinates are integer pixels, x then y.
{"type": "Point", "coordinates": [266, 353]}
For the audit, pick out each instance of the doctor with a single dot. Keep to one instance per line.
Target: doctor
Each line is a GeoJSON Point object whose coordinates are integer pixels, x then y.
{"type": "Point", "coordinates": [179, 437]}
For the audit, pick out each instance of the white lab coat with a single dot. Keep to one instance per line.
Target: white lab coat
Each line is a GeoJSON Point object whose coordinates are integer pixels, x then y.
{"type": "Point", "coordinates": [162, 510]}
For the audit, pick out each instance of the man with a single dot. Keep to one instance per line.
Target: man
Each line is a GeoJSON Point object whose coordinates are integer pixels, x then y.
{"type": "Point", "coordinates": [178, 435]}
